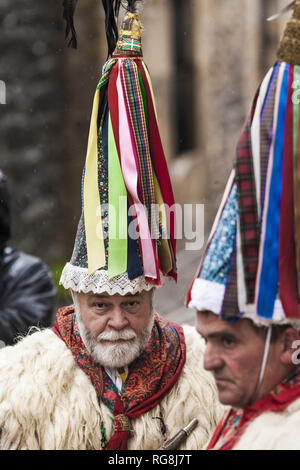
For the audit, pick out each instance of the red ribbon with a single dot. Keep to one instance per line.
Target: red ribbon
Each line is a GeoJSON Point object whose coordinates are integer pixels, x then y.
{"type": "Point", "coordinates": [288, 288]}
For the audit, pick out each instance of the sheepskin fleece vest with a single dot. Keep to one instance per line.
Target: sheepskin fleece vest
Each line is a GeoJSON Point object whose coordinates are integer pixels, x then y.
{"type": "Point", "coordinates": [273, 431]}
{"type": "Point", "coordinates": [48, 403]}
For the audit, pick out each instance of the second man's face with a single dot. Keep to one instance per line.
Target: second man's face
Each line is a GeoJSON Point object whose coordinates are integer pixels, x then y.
{"type": "Point", "coordinates": [233, 354]}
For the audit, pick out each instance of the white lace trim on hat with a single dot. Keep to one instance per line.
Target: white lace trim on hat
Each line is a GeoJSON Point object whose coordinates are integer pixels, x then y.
{"type": "Point", "coordinates": [77, 279]}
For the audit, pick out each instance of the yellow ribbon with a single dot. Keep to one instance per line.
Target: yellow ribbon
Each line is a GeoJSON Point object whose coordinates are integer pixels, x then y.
{"type": "Point", "coordinates": [92, 205]}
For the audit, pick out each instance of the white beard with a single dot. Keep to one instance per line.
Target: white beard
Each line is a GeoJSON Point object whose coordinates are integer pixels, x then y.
{"type": "Point", "coordinates": [114, 355]}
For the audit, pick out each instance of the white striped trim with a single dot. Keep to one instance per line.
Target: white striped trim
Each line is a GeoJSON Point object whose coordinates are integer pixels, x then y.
{"type": "Point", "coordinates": [255, 134]}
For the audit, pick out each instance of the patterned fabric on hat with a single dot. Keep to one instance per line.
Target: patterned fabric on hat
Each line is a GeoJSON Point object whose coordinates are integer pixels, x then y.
{"type": "Point", "coordinates": [217, 260]}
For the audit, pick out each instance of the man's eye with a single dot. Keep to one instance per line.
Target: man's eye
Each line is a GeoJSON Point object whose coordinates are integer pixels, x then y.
{"type": "Point", "coordinates": [100, 305]}
{"type": "Point", "coordinates": [228, 342]}
{"type": "Point", "coordinates": [134, 303]}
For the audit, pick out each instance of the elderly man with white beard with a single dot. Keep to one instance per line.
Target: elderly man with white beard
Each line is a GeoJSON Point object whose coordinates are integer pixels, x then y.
{"type": "Point", "coordinates": [114, 329]}
{"type": "Point", "coordinates": [111, 374]}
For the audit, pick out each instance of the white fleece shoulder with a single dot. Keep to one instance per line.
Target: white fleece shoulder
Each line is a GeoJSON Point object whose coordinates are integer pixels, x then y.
{"type": "Point", "coordinates": [45, 399]}
{"type": "Point", "coordinates": [273, 431]}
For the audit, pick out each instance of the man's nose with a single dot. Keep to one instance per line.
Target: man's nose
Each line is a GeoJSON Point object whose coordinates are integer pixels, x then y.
{"type": "Point", "coordinates": [118, 319]}
{"type": "Point", "coordinates": [212, 359]}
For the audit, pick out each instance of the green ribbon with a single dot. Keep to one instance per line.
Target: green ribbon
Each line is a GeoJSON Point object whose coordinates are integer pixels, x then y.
{"type": "Point", "coordinates": [117, 211]}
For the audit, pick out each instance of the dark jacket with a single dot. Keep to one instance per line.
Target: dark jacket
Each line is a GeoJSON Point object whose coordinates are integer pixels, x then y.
{"type": "Point", "coordinates": [27, 294]}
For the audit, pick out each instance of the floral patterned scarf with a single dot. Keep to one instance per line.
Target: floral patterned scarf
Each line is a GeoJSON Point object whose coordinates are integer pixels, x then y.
{"type": "Point", "coordinates": [234, 422]}
{"type": "Point", "coordinates": [150, 376]}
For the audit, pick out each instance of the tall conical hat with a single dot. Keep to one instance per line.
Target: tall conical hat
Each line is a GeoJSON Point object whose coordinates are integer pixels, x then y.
{"type": "Point", "coordinates": [126, 238]}
{"type": "Point", "coordinates": [251, 264]}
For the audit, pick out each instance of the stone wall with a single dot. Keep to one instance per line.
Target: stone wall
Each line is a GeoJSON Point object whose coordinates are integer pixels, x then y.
{"type": "Point", "coordinates": [81, 73]}
{"type": "Point", "coordinates": [31, 137]}
{"type": "Point", "coordinates": [230, 61]}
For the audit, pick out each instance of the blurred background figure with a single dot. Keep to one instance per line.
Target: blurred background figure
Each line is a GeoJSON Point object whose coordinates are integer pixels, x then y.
{"type": "Point", "coordinates": [27, 292]}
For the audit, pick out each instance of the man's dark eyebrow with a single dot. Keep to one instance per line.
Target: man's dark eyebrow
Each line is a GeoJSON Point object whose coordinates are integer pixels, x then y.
{"type": "Point", "coordinates": [217, 334]}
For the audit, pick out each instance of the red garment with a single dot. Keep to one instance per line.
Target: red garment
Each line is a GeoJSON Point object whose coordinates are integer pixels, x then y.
{"type": "Point", "coordinates": [235, 422]}
{"type": "Point", "coordinates": [150, 377]}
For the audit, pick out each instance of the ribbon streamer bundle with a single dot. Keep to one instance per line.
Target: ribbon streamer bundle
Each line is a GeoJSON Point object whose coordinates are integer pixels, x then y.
{"type": "Point", "coordinates": [128, 203]}
{"type": "Point", "coordinates": [261, 275]}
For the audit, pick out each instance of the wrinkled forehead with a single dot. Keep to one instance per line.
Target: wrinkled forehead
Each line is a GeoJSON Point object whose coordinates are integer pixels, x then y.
{"type": "Point", "coordinates": [209, 324]}
{"type": "Point", "coordinates": [207, 321]}
{"type": "Point", "coordinates": [105, 296]}
{"type": "Point", "coordinates": [114, 297]}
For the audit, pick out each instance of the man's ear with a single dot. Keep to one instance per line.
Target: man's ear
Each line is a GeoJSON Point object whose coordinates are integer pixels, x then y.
{"type": "Point", "coordinates": [291, 346]}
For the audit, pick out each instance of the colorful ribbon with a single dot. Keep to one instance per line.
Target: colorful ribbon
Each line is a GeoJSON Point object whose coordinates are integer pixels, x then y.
{"type": "Point", "coordinates": [296, 100]}
{"type": "Point", "coordinates": [130, 172]}
{"type": "Point", "coordinates": [92, 207]}
{"type": "Point", "coordinates": [137, 173]}
{"type": "Point", "coordinates": [288, 289]}
{"type": "Point", "coordinates": [255, 133]}
{"type": "Point", "coordinates": [267, 285]}
{"type": "Point", "coordinates": [158, 159]}
{"type": "Point", "coordinates": [117, 211]}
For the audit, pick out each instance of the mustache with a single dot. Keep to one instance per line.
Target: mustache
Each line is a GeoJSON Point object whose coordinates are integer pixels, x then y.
{"type": "Point", "coordinates": [126, 335]}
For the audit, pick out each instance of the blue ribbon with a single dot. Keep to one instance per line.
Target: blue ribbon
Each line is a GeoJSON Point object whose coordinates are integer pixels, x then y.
{"type": "Point", "coordinates": [268, 286]}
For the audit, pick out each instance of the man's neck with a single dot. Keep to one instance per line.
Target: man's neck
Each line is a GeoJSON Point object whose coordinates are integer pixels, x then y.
{"type": "Point", "coordinates": [267, 386]}
{"type": "Point", "coordinates": [118, 376]}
